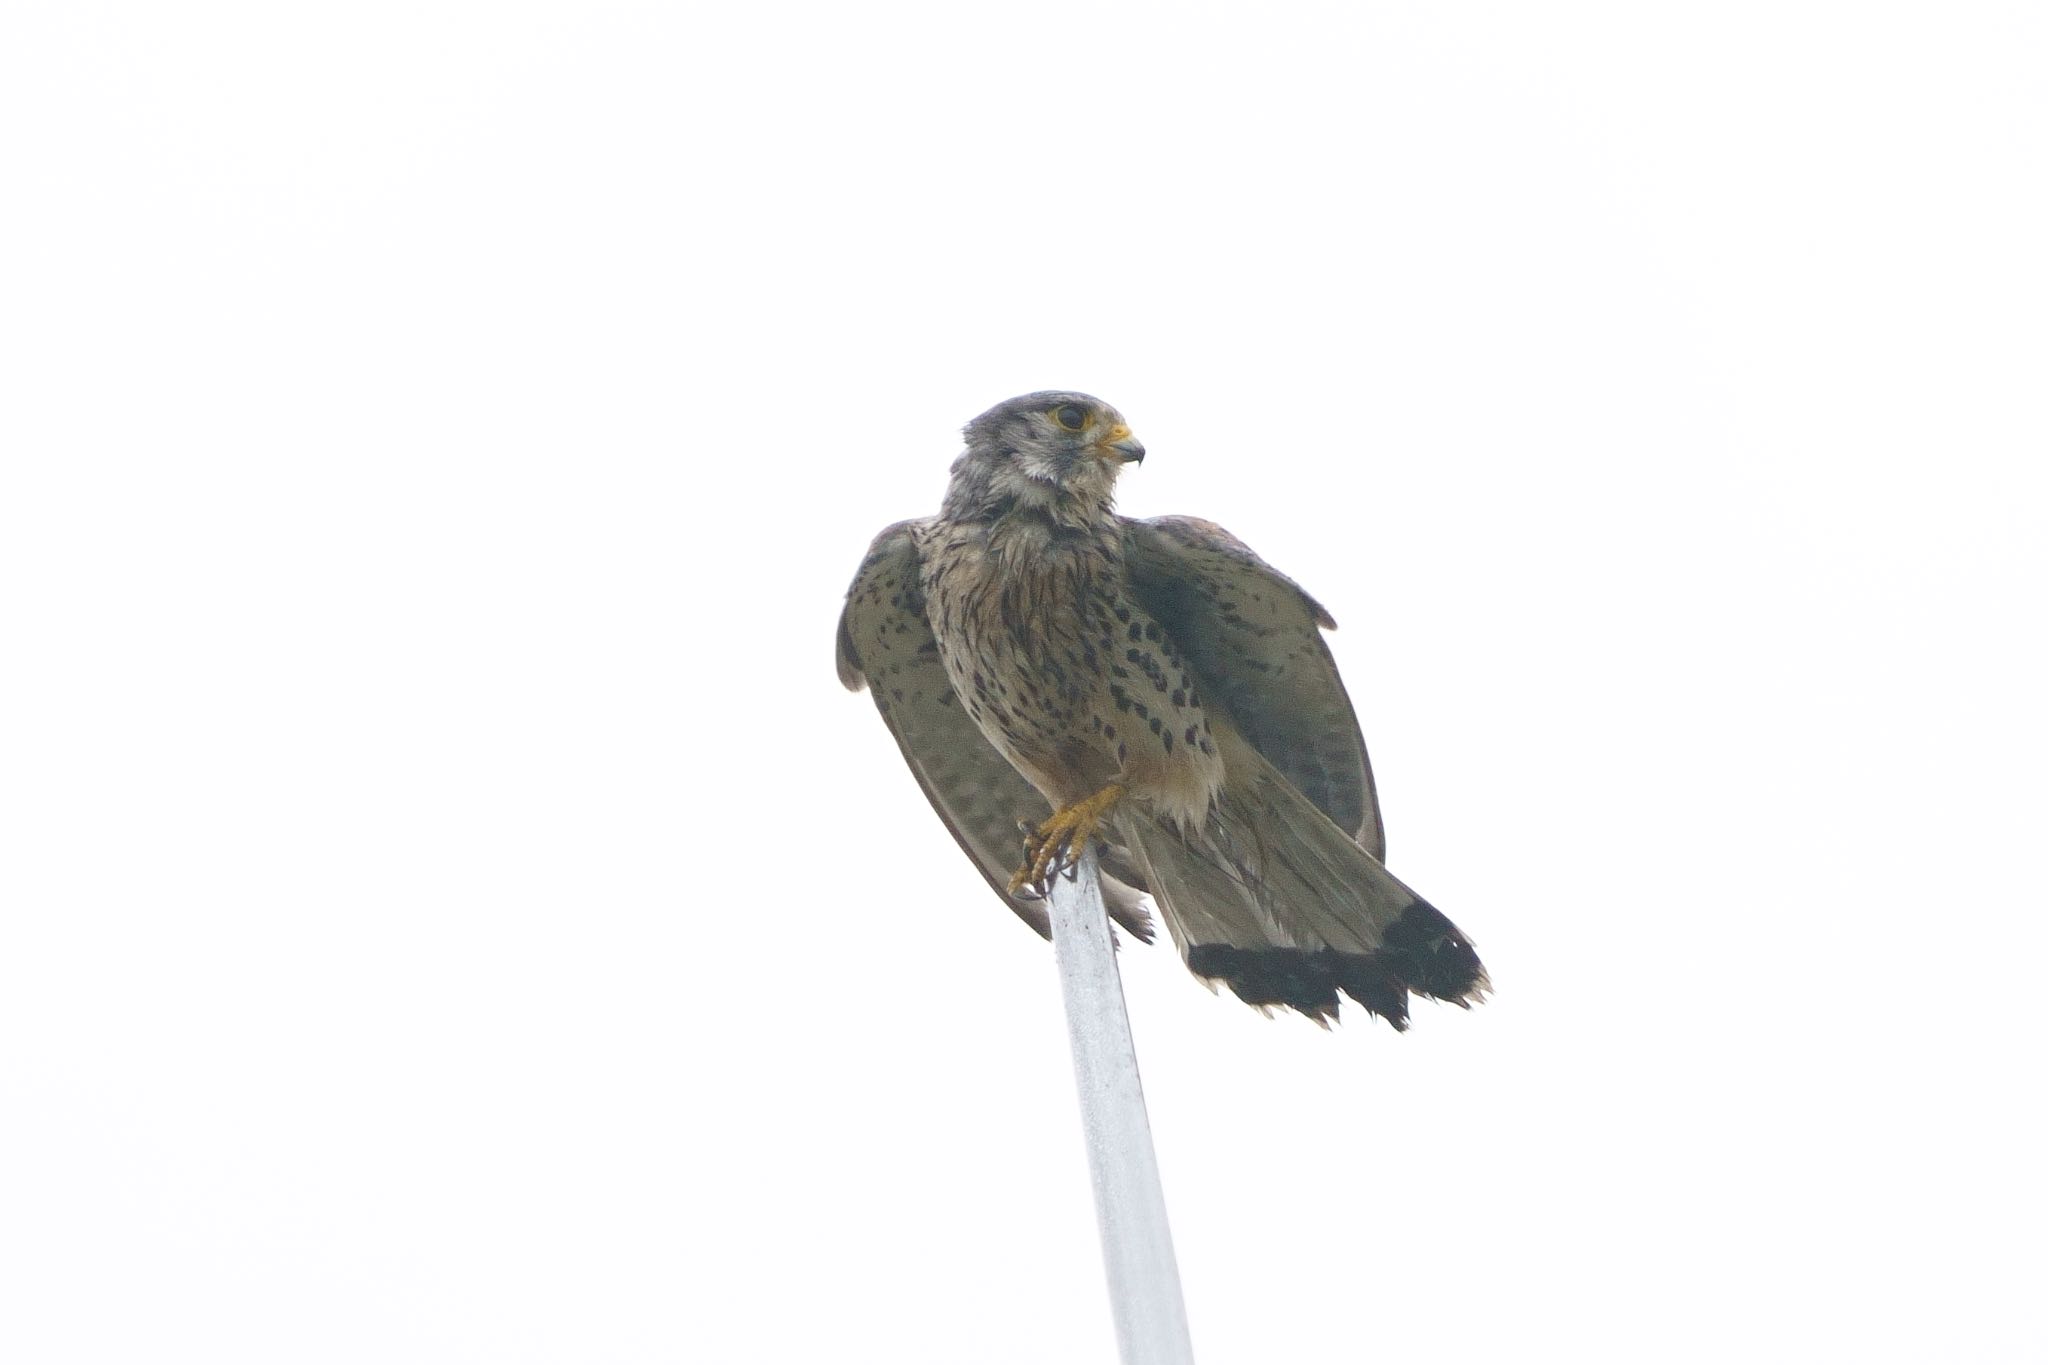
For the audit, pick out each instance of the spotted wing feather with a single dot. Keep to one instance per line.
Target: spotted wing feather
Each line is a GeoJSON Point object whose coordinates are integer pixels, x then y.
{"type": "Point", "coordinates": [1254, 640]}
{"type": "Point", "coordinates": [886, 645]}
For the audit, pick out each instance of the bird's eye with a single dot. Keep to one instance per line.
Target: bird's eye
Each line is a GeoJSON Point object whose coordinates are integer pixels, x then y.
{"type": "Point", "coordinates": [1070, 416]}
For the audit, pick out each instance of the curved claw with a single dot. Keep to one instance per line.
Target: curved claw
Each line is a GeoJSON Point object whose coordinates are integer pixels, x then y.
{"type": "Point", "coordinates": [1055, 847]}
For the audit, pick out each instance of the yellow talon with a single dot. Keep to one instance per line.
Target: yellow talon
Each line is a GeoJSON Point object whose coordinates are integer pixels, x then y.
{"type": "Point", "coordinates": [1059, 843]}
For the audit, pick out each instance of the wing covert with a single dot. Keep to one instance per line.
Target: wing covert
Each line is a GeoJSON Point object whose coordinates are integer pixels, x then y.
{"type": "Point", "coordinates": [1254, 640]}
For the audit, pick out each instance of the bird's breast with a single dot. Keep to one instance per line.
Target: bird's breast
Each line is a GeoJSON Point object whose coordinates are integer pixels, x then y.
{"type": "Point", "coordinates": [1066, 676]}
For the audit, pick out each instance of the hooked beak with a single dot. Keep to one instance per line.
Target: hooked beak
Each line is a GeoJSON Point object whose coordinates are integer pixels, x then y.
{"type": "Point", "coordinates": [1127, 448]}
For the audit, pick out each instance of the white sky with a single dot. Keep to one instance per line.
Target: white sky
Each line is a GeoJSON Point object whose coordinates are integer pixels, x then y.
{"type": "Point", "coordinates": [450, 912]}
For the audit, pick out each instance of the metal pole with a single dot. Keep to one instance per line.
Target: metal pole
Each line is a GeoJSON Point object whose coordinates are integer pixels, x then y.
{"type": "Point", "coordinates": [1137, 1245]}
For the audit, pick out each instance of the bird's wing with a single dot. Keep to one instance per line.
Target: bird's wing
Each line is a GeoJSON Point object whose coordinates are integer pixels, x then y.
{"type": "Point", "coordinates": [1251, 635]}
{"type": "Point", "coordinates": [886, 645]}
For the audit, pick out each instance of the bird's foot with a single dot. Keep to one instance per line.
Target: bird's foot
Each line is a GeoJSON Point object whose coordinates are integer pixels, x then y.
{"type": "Point", "coordinates": [1057, 845]}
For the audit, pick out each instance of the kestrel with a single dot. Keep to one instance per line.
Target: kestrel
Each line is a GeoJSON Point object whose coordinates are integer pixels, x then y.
{"type": "Point", "coordinates": [1171, 697]}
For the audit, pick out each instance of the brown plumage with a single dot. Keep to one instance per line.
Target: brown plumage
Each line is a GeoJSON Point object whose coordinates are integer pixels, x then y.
{"type": "Point", "coordinates": [1170, 696]}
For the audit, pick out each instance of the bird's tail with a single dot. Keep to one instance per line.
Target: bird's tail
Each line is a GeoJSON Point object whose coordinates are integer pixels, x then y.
{"type": "Point", "coordinates": [1272, 899]}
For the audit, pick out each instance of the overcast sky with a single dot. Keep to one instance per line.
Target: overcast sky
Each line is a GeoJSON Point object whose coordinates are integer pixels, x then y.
{"type": "Point", "coordinates": [449, 910]}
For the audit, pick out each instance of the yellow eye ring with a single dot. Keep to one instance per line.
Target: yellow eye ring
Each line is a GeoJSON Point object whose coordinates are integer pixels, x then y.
{"type": "Point", "coordinates": [1069, 416]}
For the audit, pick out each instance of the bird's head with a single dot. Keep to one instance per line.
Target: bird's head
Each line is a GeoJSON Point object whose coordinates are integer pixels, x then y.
{"type": "Point", "coordinates": [1054, 452]}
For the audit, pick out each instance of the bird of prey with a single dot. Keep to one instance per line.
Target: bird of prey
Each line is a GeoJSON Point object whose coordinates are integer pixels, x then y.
{"type": "Point", "coordinates": [1167, 693]}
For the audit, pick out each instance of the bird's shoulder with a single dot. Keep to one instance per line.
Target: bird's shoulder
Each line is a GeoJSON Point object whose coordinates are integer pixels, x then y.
{"type": "Point", "coordinates": [1201, 547]}
{"type": "Point", "coordinates": [886, 588]}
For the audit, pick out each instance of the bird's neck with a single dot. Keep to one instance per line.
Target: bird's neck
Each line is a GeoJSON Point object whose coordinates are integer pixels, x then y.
{"type": "Point", "coordinates": [1026, 500]}
{"type": "Point", "coordinates": [1027, 535]}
